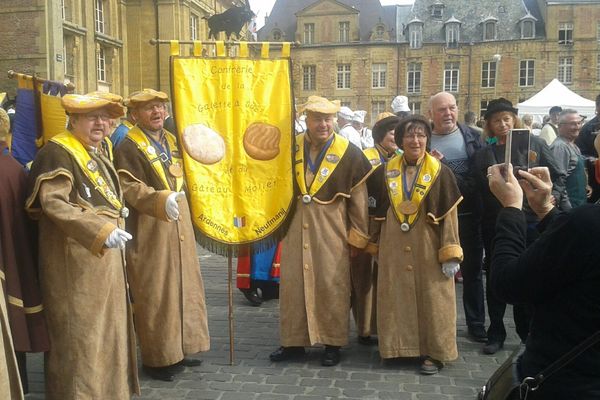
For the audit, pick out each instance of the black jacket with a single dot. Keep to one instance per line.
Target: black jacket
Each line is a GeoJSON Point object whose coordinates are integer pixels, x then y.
{"type": "Point", "coordinates": [471, 203]}
{"type": "Point", "coordinates": [559, 274]}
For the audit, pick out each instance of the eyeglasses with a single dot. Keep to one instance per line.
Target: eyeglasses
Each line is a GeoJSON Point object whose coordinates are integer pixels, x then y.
{"type": "Point", "coordinates": [572, 123]}
{"type": "Point", "coordinates": [155, 106]}
{"type": "Point", "coordinates": [418, 136]}
{"type": "Point", "coordinates": [94, 117]}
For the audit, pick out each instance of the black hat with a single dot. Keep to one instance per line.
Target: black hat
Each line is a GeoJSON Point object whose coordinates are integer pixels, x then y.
{"type": "Point", "coordinates": [555, 110]}
{"type": "Point", "coordinates": [499, 105]}
{"type": "Point", "coordinates": [382, 126]}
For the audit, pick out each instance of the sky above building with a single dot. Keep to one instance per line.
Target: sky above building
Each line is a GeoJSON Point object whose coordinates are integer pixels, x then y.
{"type": "Point", "coordinates": [263, 8]}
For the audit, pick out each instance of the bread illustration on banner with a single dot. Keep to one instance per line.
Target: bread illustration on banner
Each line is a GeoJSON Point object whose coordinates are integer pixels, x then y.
{"type": "Point", "coordinates": [203, 144]}
{"type": "Point", "coordinates": [261, 141]}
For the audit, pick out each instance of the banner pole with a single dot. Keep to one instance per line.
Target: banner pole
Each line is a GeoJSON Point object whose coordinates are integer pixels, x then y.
{"type": "Point", "coordinates": [230, 293]}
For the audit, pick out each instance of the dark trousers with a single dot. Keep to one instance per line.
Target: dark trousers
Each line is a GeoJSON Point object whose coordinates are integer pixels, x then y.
{"type": "Point", "coordinates": [522, 313]}
{"type": "Point", "coordinates": [473, 298]}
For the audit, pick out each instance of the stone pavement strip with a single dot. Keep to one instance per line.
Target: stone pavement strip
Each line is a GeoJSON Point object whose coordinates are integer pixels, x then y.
{"type": "Point", "coordinates": [360, 375]}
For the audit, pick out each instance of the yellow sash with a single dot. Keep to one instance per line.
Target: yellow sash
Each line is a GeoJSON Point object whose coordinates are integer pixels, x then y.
{"type": "Point", "coordinates": [429, 170]}
{"type": "Point", "coordinates": [330, 162]}
{"type": "Point", "coordinates": [373, 156]}
{"type": "Point", "coordinates": [89, 166]}
{"type": "Point", "coordinates": [128, 124]}
{"type": "Point", "coordinates": [143, 143]}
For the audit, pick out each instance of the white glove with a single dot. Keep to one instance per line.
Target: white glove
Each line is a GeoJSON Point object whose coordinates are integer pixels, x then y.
{"type": "Point", "coordinates": [117, 239]}
{"type": "Point", "coordinates": [450, 268]}
{"type": "Point", "coordinates": [171, 206]}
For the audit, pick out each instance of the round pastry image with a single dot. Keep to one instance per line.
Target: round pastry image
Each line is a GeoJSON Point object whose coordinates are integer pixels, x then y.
{"type": "Point", "coordinates": [203, 144]}
{"type": "Point", "coordinates": [261, 141]}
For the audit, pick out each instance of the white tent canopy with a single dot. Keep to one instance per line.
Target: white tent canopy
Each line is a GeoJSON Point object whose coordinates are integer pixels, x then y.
{"type": "Point", "coordinates": [556, 94]}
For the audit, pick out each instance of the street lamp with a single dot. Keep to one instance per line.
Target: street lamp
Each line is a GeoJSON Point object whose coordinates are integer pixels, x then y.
{"type": "Point", "coordinates": [496, 58]}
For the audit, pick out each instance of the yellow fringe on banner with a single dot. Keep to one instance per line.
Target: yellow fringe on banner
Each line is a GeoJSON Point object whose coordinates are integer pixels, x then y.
{"type": "Point", "coordinates": [264, 50]}
{"type": "Point", "coordinates": [174, 44]}
{"type": "Point", "coordinates": [286, 50]}
{"type": "Point", "coordinates": [220, 48]}
{"type": "Point", "coordinates": [237, 135]}
{"type": "Point", "coordinates": [244, 49]}
{"type": "Point", "coordinates": [197, 48]}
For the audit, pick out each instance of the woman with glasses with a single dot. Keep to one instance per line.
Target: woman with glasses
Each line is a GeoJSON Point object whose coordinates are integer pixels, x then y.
{"type": "Point", "coordinates": [418, 252]}
{"type": "Point", "coordinates": [500, 118]}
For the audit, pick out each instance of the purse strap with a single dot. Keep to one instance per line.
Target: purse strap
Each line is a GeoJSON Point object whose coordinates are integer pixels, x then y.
{"type": "Point", "coordinates": [535, 382]}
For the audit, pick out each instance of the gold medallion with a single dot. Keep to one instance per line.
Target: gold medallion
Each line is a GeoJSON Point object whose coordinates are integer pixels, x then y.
{"type": "Point", "coordinates": [175, 170]}
{"type": "Point", "coordinates": [407, 207]}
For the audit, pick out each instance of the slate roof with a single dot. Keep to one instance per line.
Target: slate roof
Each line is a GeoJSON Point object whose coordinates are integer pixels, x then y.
{"type": "Point", "coordinates": [283, 16]}
{"type": "Point", "coordinates": [471, 13]}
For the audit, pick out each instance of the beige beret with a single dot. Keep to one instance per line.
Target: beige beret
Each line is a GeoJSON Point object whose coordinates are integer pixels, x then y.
{"type": "Point", "coordinates": [115, 98]}
{"type": "Point", "coordinates": [320, 105]}
{"type": "Point", "coordinates": [4, 124]}
{"type": "Point", "coordinates": [144, 96]}
{"type": "Point", "coordinates": [83, 104]}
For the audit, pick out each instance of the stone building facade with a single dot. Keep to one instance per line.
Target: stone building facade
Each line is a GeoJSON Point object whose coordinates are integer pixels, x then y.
{"type": "Point", "coordinates": [365, 54]}
{"type": "Point", "coordinates": [98, 44]}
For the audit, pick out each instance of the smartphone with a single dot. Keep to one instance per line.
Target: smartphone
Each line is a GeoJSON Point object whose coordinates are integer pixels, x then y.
{"type": "Point", "coordinates": [517, 151]}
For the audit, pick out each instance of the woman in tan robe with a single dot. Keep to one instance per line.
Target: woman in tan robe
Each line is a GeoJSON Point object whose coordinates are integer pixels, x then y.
{"type": "Point", "coordinates": [418, 253]}
{"type": "Point", "coordinates": [75, 195]}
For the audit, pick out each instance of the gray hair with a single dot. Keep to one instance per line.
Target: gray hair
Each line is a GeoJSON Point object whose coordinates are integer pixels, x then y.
{"type": "Point", "coordinates": [565, 112]}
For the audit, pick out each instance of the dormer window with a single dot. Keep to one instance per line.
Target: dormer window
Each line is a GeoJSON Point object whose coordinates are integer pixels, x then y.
{"type": "Point", "coordinates": [452, 27]}
{"type": "Point", "coordinates": [527, 26]}
{"type": "Point", "coordinates": [489, 28]}
{"type": "Point", "coordinates": [379, 30]}
{"type": "Point", "coordinates": [437, 10]}
{"type": "Point", "coordinates": [276, 34]}
{"type": "Point", "coordinates": [415, 33]}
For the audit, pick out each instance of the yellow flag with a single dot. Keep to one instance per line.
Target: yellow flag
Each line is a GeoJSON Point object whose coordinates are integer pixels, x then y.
{"type": "Point", "coordinates": [236, 132]}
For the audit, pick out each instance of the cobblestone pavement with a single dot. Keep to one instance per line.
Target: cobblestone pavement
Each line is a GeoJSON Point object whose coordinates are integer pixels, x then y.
{"type": "Point", "coordinates": [360, 375]}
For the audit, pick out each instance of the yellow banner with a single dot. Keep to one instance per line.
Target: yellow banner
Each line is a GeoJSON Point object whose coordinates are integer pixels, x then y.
{"type": "Point", "coordinates": [234, 118]}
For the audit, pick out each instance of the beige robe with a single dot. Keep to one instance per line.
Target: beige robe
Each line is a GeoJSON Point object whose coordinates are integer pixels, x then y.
{"type": "Point", "coordinates": [83, 283]}
{"type": "Point", "coordinates": [315, 285]}
{"type": "Point", "coordinates": [10, 383]}
{"type": "Point", "coordinates": [162, 263]}
{"type": "Point", "coordinates": [416, 302]}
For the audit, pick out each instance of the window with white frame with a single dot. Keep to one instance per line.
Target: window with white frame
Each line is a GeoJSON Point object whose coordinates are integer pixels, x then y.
{"type": "Point", "coordinates": [101, 65]}
{"type": "Point", "coordinates": [309, 33]}
{"type": "Point", "coordinates": [276, 34]}
{"type": "Point", "coordinates": [452, 34]}
{"type": "Point", "coordinates": [526, 72]}
{"type": "Point", "coordinates": [377, 107]}
{"type": "Point", "coordinates": [565, 33]}
{"type": "Point", "coordinates": [99, 16]}
{"type": "Point", "coordinates": [413, 78]}
{"type": "Point", "coordinates": [343, 76]}
{"type": "Point", "coordinates": [527, 29]}
{"type": "Point", "coordinates": [489, 30]}
{"type": "Point", "coordinates": [415, 107]}
{"type": "Point", "coordinates": [451, 74]}
{"type": "Point", "coordinates": [483, 105]}
{"type": "Point", "coordinates": [194, 20]}
{"type": "Point", "coordinates": [565, 70]}
{"type": "Point", "coordinates": [379, 74]}
{"type": "Point", "coordinates": [309, 74]}
{"type": "Point", "coordinates": [437, 11]}
{"type": "Point", "coordinates": [68, 55]}
{"type": "Point", "coordinates": [62, 9]}
{"type": "Point", "coordinates": [344, 32]}
{"type": "Point", "coordinates": [488, 74]}
{"type": "Point", "coordinates": [415, 35]}
{"type": "Point", "coordinates": [598, 32]}
{"type": "Point", "coordinates": [598, 70]}
{"type": "Point", "coordinates": [379, 31]}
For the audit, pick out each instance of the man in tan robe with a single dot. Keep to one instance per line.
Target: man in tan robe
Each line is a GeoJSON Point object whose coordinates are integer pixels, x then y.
{"type": "Point", "coordinates": [164, 273]}
{"type": "Point", "coordinates": [75, 195]}
{"type": "Point", "coordinates": [330, 223]}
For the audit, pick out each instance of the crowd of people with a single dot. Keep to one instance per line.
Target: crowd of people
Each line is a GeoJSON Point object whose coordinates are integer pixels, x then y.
{"type": "Point", "coordinates": [383, 221]}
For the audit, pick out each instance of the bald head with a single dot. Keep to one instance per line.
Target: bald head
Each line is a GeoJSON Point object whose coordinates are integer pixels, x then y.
{"type": "Point", "coordinates": [443, 111]}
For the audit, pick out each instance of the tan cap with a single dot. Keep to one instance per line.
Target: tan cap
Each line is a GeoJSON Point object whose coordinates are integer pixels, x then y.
{"type": "Point", "coordinates": [82, 104]}
{"type": "Point", "coordinates": [144, 96]}
{"type": "Point", "coordinates": [115, 98]}
{"type": "Point", "coordinates": [320, 105]}
{"type": "Point", "coordinates": [383, 115]}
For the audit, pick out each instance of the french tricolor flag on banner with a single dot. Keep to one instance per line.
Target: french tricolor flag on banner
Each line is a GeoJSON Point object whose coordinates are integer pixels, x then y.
{"type": "Point", "coordinates": [239, 222]}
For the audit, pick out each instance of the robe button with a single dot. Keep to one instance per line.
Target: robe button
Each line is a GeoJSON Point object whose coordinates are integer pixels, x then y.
{"type": "Point", "coordinates": [181, 238]}
{"type": "Point", "coordinates": [305, 226]}
{"type": "Point", "coordinates": [407, 248]}
{"type": "Point", "coordinates": [306, 267]}
{"type": "Point", "coordinates": [409, 267]}
{"type": "Point", "coordinates": [305, 245]}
